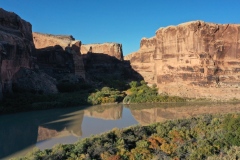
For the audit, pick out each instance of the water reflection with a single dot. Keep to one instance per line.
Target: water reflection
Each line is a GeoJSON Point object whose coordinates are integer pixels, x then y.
{"type": "Point", "coordinates": [21, 132]}
{"type": "Point", "coordinates": [159, 113]}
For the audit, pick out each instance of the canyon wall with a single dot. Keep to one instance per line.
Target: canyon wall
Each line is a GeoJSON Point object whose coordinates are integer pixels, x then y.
{"type": "Point", "coordinates": [111, 49]}
{"type": "Point", "coordinates": [142, 60]}
{"type": "Point", "coordinates": [16, 47]}
{"type": "Point", "coordinates": [42, 40]}
{"type": "Point", "coordinates": [99, 64]}
{"type": "Point", "coordinates": [59, 51]}
{"type": "Point", "coordinates": [194, 59]}
{"type": "Point", "coordinates": [104, 65]}
{"type": "Point", "coordinates": [66, 55]}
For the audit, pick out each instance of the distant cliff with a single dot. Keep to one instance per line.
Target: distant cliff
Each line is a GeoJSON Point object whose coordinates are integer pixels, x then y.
{"type": "Point", "coordinates": [111, 49]}
{"type": "Point", "coordinates": [99, 64]}
{"type": "Point", "coordinates": [61, 52]}
{"type": "Point", "coordinates": [42, 40]}
{"type": "Point", "coordinates": [194, 59]}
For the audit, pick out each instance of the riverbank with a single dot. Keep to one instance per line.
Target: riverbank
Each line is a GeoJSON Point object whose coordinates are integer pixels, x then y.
{"type": "Point", "coordinates": [202, 137]}
{"type": "Point", "coordinates": [82, 94]}
{"type": "Point", "coordinates": [86, 95]}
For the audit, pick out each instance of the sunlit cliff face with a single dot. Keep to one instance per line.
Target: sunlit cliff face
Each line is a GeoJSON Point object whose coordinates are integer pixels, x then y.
{"type": "Point", "coordinates": [194, 59]}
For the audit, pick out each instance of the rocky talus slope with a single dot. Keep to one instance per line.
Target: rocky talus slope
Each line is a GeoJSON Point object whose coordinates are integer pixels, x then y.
{"type": "Point", "coordinates": [194, 59]}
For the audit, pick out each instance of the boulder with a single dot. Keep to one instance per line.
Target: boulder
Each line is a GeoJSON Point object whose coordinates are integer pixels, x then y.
{"type": "Point", "coordinates": [194, 59]}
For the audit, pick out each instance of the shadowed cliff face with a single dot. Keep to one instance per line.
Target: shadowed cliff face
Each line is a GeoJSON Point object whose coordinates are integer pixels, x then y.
{"type": "Point", "coordinates": [104, 70]}
{"type": "Point", "coordinates": [16, 46]}
{"type": "Point", "coordinates": [99, 64]}
{"type": "Point", "coordinates": [59, 54]}
{"type": "Point", "coordinates": [194, 59]}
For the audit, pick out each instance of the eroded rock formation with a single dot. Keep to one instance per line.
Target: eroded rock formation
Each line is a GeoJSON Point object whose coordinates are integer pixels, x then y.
{"type": "Point", "coordinates": [42, 40]}
{"type": "Point", "coordinates": [142, 60]}
{"type": "Point", "coordinates": [99, 64]}
{"type": "Point", "coordinates": [16, 47]}
{"type": "Point", "coordinates": [63, 53]}
{"type": "Point", "coordinates": [104, 65]}
{"type": "Point", "coordinates": [194, 59]}
{"type": "Point", "coordinates": [111, 49]}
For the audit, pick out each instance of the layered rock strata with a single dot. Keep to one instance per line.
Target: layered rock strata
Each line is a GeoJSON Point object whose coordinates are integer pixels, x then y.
{"type": "Point", "coordinates": [111, 49]}
{"type": "Point", "coordinates": [99, 64]}
{"type": "Point", "coordinates": [104, 65]}
{"type": "Point", "coordinates": [59, 51]}
{"type": "Point", "coordinates": [16, 47]}
{"type": "Point", "coordinates": [142, 60]}
{"type": "Point", "coordinates": [194, 59]}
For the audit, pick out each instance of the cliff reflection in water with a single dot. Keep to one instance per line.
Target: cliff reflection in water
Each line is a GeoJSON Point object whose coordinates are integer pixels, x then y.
{"type": "Point", "coordinates": [70, 124]}
{"type": "Point", "coordinates": [20, 132]}
{"type": "Point", "coordinates": [151, 113]}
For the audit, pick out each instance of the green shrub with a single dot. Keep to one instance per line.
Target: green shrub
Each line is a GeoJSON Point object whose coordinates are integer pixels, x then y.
{"type": "Point", "coordinates": [106, 95]}
{"type": "Point", "coordinates": [141, 93]}
{"type": "Point", "coordinates": [195, 138]}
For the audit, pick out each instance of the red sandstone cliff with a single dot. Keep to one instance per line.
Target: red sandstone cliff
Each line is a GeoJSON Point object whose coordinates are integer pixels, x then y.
{"type": "Point", "coordinates": [104, 65]}
{"type": "Point", "coordinates": [111, 49]}
{"type": "Point", "coordinates": [99, 64]}
{"type": "Point", "coordinates": [59, 50]}
{"type": "Point", "coordinates": [16, 46]}
{"type": "Point", "coordinates": [194, 59]}
{"type": "Point", "coordinates": [43, 42]}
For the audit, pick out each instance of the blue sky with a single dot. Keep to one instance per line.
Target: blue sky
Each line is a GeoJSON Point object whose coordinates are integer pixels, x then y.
{"type": "Point", "coordinates": [121, 21]}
